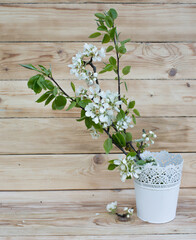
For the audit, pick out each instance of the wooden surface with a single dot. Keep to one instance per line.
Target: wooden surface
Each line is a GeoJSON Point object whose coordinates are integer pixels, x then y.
{"type": "Point", "coordinates": [53, 176]}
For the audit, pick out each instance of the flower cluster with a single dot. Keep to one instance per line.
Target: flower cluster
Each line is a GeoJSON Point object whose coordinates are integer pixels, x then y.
{"type": "Point", "coordinates": [78, 66]}
{"type": "Point", "coordinates": [128, 211]}
{"type": "Point", "coordinates": [112, 207]}
{"type": "Point", "coordinates": [124, 123]}
{"type": "Point", "coordinates": [127, 167]}
{"type": "Point", "coordinates": [104, 107]}
{"type": "Point", "coordinates": [94, 133]}
{"type": "Point", "coordinates": [147, 138]}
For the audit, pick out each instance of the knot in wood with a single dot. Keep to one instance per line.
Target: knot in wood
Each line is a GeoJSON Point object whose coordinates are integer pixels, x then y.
{"type": "Point", "coordinates": [172, 72]}
{"type": "Point", "coordinates": [98, 159]}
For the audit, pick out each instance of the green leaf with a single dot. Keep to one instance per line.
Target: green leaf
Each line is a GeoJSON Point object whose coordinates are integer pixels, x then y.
{"type": "Point", "coordinates": [108, 145]}
{"type": "Point", "coordinates": [32, 81]}
{"type": "Point", "coordinates": [72, 105]}
{"type": "Point", "coordinates": [122, 139]}
{"type": "Point", "coordinates": [73, 86]}
{"type": "Point", "coordinates": [125, 41]}
{"type": "Point", "coordinates": [120, 115]}
{"type": "Point", "coordinates": [109, 49]}
{"type": "Point", "coordinates": [136, 112]}
{"type": "Point", "coordinates": [102, 28]}
{"type": "Point", "coordinates": [106, 38]}
{"type": "Point", "coordinates": [41, 82]}
{"type": "Point", "coordinates": [54, 105]}
{"type": "Point", "coordinates": [126, 70]}
{"type": "Point", "coordinates": [131, 104]}
{"type": "Point", "coordinates": [88, 122]}
{"type": "Point", "coordinates": [109, 21]}
{"type": "Point", "coordinates": [82, 114]}
{"type": "Point", "coordinates": [43, 97]}
{"type": "Point", "coordinates": [29, 66]}
{"type": "Point", "coordinates": [128, 137]}
{"type": "Point", "coordinates": [132, 154]}
{"type": "Point", "coordinates": [44, 70]}
{"type": "Point", "coordinates": [100, 15]}
{"type": "Point", "coordinates": [55, 91]}
{"type": "Point", "coordinates": [141, 162]}
{"type": "Point", "coordinates": [113, 13]}
{"type": "Point", "coordinates": [49, 84]}
{"type": "Point", "coordinates": [60, 102]}
{"type": "Point", "coordinates": [126, 86]}
{"type": "Point", "coordinates": [122, 50]}
{"type": "Point", "coordinates": [81, 119]}
{"type": "Point", "coordinates": [94, 35]}
{"type": "Point", "coordinates": [112, 60]}
{"type": "Point", "coordinates": [112, 166]}
{"type": "Point", "coordinates": [49, 99]}
{"type": "Point", "coordinates": [84, 103]}
{"type": "Point", "coordinates": [36, 88]}
{"type": "Point", "coordinates": [134, 119]}
{"type": "Point", "coordinates": [112, 33]}
{"type": "Point", "coordinates": [107, 68]}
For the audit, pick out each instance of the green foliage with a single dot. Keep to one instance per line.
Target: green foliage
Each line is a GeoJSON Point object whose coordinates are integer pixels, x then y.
{"type": "Point", "coordinates": [59, 103]}
{"type": "Point", "coordinates": [134, 119]}
{"type": "Point", "coordinates": [73, 86]}
{"type": "Point", "coordinates": [94, 35]}
{"type": "Point", "coordinates": [109, 21]}
{"type": "Point", "coordinates": [49, 99]}
{"type": "Point", "coordinates": [122, 50]}
{"type": "Point", "coordinates": [126, 70]}
{"type": "Point", "coordinates": [83, 103]}
{"type": "Point", "coordinates": [55, 91]}
{"type": "Point", "coordinates": [112, 166]}
{"type": "Point", "coordinates": [88, 122]}
{"type": "Point", "coordinates": [107, 68]}
{"type": "Point", "coordinates": [72, 105]}
{"type": "Point", "coordinates": [100, 15]}
{"type": "Point", "coordinates": [125, 41]}
{"type": "Point", "coordinates": [128, 137]}
{"type": "Point", "coordinates": [108, 145]}
{"type": "Point", "coordinates": [109, 49]}
{"type": "Point", "coordinates": [120, 115]}
{"type": "Point", "coordinates": [106, 38]}
{"type": "Point", "coordinates": [112, 33]}
{"type": "Point", "coordinates": [131, 104]}
{"type": "Point", "coordinates": [102, 28]}
{"type": "Point", "coordinates": [113, 13]}
{"type": "Point", "coordinates": [112, 61]}
{"type": "Point", "coordinates": [136, 112]}
{"type": "Point", "coordinates": [43, 70]}
{"type": "Point", "coordinates": [126, 86]}
{"type": "Point", "coordinates": [43, 97]}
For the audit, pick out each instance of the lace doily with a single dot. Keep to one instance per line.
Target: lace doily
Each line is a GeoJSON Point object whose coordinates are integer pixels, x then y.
{"type": "Point", "coordinates": [166, 173]}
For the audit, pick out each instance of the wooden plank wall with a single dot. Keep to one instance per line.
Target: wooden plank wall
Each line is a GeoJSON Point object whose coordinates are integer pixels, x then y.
{"type": "Point", "coordinates": [41, 149]}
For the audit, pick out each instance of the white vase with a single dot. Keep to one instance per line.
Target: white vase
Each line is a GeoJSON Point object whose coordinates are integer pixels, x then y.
{"type": "Point", "coordinates": [157, 188]}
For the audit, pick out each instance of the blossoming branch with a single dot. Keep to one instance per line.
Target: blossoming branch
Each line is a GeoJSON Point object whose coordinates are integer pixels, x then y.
{"type": "Point", "coordinates": [103, 111]}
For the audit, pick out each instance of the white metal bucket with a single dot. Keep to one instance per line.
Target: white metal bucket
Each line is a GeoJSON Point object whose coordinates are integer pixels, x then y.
{"type": "Point", "coordinates": [157, 188]}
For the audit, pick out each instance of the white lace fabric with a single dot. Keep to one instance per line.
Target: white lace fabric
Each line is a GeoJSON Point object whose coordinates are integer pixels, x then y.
{"type": "Point", "coordinates": [166, 173]}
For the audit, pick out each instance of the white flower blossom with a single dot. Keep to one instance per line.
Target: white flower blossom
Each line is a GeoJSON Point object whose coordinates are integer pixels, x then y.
{"type": "Point", "coordinates": [104, 108]}
{"type": "Point", "coordinates": [124, 123]}
{"type": "Point", "coordinates": [127, 167]}
{"type": "Point", "coordinates": [111, 207]}
{"type": "Point", "coordinates": [94, 133]}
{"type": "Point", "coordinates": [78, 63]}
{"type": "Point", "coordinates": [147, 138]}
{"type": "Point", "coordinates": [81, 92]}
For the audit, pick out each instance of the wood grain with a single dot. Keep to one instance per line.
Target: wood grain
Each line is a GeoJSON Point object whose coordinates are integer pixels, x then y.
{"type": "Point", "coordinates": [157, 60]}
{"type": "Point", "coordinates": [34, 136]}
{"type": "Point", "coordinates": [153, 98]}
{"type": "Point", "coordinates": [100, 1]}
{"type": "Point", "coordinates": [58, 172]}
{"type": "Point", "coordinates": [73, 212]}
{"type": "Point", "coordinates": [60, 22]}
{"type": "Point", "coordinates": [109, 237]}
